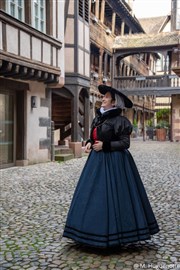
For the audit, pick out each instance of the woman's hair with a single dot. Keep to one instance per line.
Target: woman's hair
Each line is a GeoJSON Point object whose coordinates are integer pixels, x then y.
{"type": "Point", "coordinates": [113, 96]}
{"type": "Point", "coordinates": [119, 101]}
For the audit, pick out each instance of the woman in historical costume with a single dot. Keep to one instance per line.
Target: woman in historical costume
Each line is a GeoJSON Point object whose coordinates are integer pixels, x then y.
{"type": "Point", "coordinates": [110, 206]}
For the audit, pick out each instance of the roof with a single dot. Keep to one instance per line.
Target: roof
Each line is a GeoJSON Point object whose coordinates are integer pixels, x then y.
{"type": "Point", "coordinates": [123, 10]}
{"type": "Point", "coordinates": [154, 25]}
{"type": "Point", "coordinates": [146, 40]}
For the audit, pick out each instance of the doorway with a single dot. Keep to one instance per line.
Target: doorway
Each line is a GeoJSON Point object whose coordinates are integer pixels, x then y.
{"type": "Point", "coordinates": [7, 129]}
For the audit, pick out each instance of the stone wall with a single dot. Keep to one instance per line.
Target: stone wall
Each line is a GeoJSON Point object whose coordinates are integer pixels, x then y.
{"type": "Point", "coordinates": [176, 118]}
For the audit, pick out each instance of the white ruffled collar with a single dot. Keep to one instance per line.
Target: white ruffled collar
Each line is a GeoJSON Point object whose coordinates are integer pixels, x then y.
{"type": "Point", "coordinates": [102, 110]}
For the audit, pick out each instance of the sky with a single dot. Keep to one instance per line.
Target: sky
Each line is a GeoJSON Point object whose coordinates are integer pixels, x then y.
{"type": "Point", "coordinates": [151, 8]}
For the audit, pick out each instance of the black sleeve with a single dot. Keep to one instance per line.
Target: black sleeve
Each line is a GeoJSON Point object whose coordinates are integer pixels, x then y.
{"type": "Point", "coordinates": [122, 129]}
{"type": "Point", "coordinates": [89, 140]}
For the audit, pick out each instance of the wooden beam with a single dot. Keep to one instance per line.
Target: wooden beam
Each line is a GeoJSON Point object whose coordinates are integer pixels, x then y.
{"type": "Point", "coordinates": [6, 67]}
{"type": "Point", "coordinates": [11, 85]}
{"type": "Point", "coordinates": [14, 71]}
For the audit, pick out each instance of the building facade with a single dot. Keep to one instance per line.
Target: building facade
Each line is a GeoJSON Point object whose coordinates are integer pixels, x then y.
{"type": "Point", "coordinates": [90, 29]}
{"type": "Point", "coordinates": [167, 24]}
{"type": "Point", "coordinates": [108, 20]}
{"type": "Point", "coordinates": [175, 14]}
{"type": "Point", "coordinates": [70, 106]}
{"type": "Point", "coordinates": [53, 56]}
{"type": "Point", "coordinates": [31, 66]}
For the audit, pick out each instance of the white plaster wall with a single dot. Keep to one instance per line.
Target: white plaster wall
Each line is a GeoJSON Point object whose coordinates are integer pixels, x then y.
{"type": "Point", "coordinates": [69, 34]}
{"type": "Point", "coordinates": [34, 131]}
{"type": "Point", "coordinates": [36, 49]}
{"type": "Point", "coordinates": [81, 61]}
{"type": "Point", "coordinates": [59, 60]}
{"type": "Point", "coordinates": [61, 20]}
{"type": "Point", "coordinates": [69, 59]}
{"type": "Point", "coordinates": [87, 64]}
{"type": "Point", "coordinates": [12, 39]}
{"type": "Point", "coordinates": [83, 43]}
{"type": "Point", "coordinates": [81, 34]}
{"type": "Point", "coordinates": [24, 44]}
{"type": "Point", "coordinates": [1, 47]}
{"type": "Point", "coordinates": [71, 7]}
{"type": "Point", "coordinates": [46, 53]}
{"type": "Point", "coordinates": [87, 38]}
{"type": "Point", "coordinates": [54, 18]}
{"type": "Point", "coordinates": [54, 56]}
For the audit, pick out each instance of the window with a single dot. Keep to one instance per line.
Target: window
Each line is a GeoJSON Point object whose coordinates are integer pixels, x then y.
{"type": "Point", "coordinates": [38, 15]}
{"type": "Point", "coordinates": [84, 9]}
{"type": "Point", "coordinates": [93, 7]}
{"type": "Point", "coordinates": [7, 128]}
{"type": "Point", "coordinates": [15, 8]}
{"type": "Point", "coordinates": [178, 15]}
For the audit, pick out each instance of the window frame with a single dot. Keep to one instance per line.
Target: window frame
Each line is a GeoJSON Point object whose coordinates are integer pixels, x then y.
{"type": "Point", "coordinates": [178, 15]}
{"type": "Point", "coordinates": [38, 27]}
{"type": "Point", "coordinates": [15, 2]}
{"type": "Point", "coordinates": [83, 10]}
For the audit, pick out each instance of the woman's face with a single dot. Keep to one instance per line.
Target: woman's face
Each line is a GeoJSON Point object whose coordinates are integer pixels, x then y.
{"type": "Point", "coordinates": [107, 101]}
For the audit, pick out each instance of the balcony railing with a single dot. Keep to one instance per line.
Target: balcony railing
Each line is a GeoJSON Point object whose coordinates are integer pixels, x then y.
{"type": "Point", "coordinates": [147, 82]}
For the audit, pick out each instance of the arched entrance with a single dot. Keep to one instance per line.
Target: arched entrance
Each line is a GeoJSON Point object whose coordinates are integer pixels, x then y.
{"type": "Point", "coordinates": [153, 79]}
{"type": "Point", "coordinates": [84, 107]}
{"type": "Point", "coordinates": [61, 114]}
{"type": "Point", "coordinates": [70, 114]}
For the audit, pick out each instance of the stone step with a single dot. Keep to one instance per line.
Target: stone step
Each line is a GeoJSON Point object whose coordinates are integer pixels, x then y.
{"type": "Point", "coordinates": [63, 157]}
{"type": "Point", "coordinates": [63, 150]}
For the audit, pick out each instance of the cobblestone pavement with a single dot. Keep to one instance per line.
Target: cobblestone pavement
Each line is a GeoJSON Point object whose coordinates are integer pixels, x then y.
{"type": "Point", "coordinates": [35, 200]}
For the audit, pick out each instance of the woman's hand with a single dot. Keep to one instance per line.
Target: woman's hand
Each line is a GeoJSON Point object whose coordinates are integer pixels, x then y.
{"type": "Point", "coordinates": [88, 148]}
{"type": "Point", "coordinates": [97, 146]}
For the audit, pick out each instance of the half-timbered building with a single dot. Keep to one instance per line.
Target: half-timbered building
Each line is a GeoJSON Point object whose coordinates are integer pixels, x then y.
{"type": "Point", "coordinates": [31, 66]}
{"type": "Point", "coordinates": [110, 19]}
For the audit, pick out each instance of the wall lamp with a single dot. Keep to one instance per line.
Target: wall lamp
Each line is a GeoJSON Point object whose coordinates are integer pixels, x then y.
{"type": "Point", "coordinates": [108, 31]}
{"type": "Point", "coordinates": [33, 102]}
{"type": "Point", "coordinates": [94, 19]}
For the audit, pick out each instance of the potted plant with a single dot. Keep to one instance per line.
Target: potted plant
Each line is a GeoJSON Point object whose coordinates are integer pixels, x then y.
{"type": "Point", "coordinates": [150, 129]}
{"type": "Point", "coordinates": [163, 114]}
{"type": "Point", "coordinates": [161, 130]}
{"type": "Point", "coordinates": [135, 129]}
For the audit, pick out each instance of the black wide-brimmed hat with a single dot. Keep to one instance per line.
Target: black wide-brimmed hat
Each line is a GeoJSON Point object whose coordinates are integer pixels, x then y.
{"type": "Point", "coordinates": [103, 89]}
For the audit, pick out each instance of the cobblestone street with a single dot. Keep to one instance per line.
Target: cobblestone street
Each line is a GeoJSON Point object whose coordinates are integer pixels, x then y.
{"type": "Point", "coordinates": [34, 204]}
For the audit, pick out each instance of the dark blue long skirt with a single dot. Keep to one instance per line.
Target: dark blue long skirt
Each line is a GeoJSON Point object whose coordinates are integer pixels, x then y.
{"type": "Point", "coordinates": [110, 206]}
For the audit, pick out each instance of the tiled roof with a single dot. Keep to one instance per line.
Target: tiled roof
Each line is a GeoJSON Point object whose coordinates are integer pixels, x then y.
{"type": "Point", "coordinates": [146, 40]}
{"type": "Point", "coordinates": [153, 25]}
